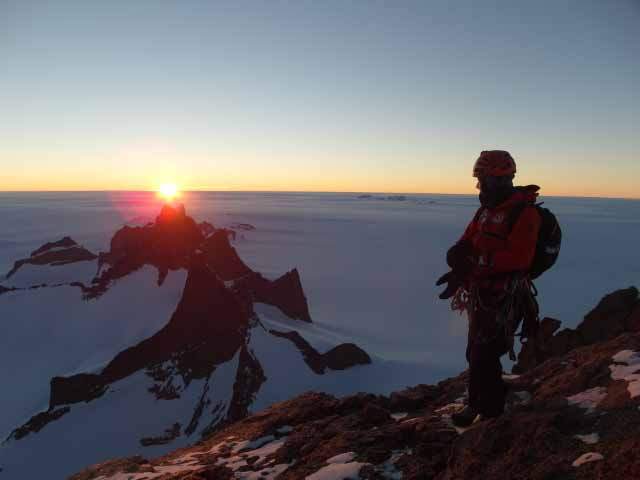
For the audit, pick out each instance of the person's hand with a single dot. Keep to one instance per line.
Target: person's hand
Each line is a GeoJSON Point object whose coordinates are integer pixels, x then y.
{"type": "Point", "coordinates": [460, 257]}
{"type": "Point", "coordinates": [453, 283]}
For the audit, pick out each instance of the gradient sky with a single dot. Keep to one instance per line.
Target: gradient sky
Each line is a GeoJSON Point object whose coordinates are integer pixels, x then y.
{"type": "Point", "coordinates": [331, 96]}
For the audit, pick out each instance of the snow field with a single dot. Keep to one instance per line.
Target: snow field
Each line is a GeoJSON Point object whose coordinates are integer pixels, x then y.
{"type": "Point", "coordinates": [53, 331]}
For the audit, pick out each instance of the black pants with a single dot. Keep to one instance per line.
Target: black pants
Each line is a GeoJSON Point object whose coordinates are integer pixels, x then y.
{"type": "Point", "coordinates": [487, 342]}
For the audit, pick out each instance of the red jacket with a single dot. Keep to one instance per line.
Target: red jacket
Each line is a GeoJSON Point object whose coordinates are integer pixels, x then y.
{"type": "Point", "coordinates": [498, 249]}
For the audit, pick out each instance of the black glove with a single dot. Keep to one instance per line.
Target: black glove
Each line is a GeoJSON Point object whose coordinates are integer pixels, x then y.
{"type": "Point", "coordinates": [453, 283]}
{"type": "Point", "coordinates": [460, 258]}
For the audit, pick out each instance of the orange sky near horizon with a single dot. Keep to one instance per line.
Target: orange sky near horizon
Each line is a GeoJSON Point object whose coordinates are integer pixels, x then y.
{"type": "Point", "coordinates": [445, 181]}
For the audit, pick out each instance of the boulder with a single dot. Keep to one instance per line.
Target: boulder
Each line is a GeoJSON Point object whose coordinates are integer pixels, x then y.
{"type": "Point", "coordinates": [346, 355]}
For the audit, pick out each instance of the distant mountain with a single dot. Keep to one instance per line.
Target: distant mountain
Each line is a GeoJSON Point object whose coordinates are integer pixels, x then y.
{"type": "Point", "coordinates": [573, 413]}
{"type": "Point", "coordinates": [125, 375]}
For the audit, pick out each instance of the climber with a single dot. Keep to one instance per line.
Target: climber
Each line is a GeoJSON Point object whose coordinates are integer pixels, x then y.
{"type": "Point", "coordinates": [490, 280]}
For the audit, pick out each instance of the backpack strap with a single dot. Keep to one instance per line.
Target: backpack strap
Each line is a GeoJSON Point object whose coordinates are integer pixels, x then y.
{"type": "Point", "coordinates": [514, 215]}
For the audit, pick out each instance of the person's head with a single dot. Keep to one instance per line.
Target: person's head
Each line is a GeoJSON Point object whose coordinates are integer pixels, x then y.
{"type": "Point", "coordinates": [494, 170]}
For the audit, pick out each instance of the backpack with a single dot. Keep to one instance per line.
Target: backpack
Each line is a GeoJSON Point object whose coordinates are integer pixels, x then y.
{"type": "Point", "coordinates": [549, 238]}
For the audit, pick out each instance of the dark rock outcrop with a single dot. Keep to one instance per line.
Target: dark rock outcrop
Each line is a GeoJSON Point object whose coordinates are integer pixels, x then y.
{"type": "Point", "coordinates": [61, 252]}
{"type": "Point", "coordinates": [206, 228]}
{"type": "Point", "coordinates": [64, 242]}
{"type": "Point", "coordinates": [285, 292]}
{"type": "Point", "coordinates": [243, 226]}
{"type": "Point", "coordinates": [346, 355]}
{"type": "Point", "coordinates": [82, 387]}
{"type": "Point", "coordinates": [222, 258]}
{"type": "Point", "coordinates": [341, 357]}
{"type": "Point", "coordinates": [616, 313]}
{"type": "Point", "coordinates": [6, 289]}
{"type": "Point", "coordinates": [169, 435]}
{"type": "Point", "coordinates": [249, 378]}
{"type": "Point", "coordinates": [38, 422]}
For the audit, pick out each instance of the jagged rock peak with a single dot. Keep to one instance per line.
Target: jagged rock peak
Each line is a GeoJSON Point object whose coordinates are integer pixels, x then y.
{"type": "Point", "coordinates": [170, 213]}
{"type": "Point", "coordinates": [285, 292]}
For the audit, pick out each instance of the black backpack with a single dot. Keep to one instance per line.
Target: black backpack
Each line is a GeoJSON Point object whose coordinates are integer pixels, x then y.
{"type": "Point", "coordinates": [549, 238]}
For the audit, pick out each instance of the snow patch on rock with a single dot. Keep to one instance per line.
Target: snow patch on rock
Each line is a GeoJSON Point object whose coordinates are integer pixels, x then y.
{"type": "Point", "coordinates": [588, 399]}
{"type": "Point", "coordinates": [342, 458]}
{"type": "Point", "coordinates": [589, 438]}
{"type": "Point", "coordinates": [399, 416]}
{"type": "Point", "coordinates": [338, 471]}
{"type": "Point", "coordinates": [628, 371]}
{"type": "Point", "coordinates": [587, 458]}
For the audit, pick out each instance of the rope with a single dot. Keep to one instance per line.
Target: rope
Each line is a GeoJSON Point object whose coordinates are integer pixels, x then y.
{"type": "Point", "coordinates": [519, 300]}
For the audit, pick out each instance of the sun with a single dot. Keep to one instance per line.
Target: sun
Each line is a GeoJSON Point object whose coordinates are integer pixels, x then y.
{"type": "Point", "coordinates": [168, 191]}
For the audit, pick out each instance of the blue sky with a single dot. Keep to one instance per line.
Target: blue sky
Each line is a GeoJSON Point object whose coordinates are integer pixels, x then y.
{"type": "Point", "coordinates": [334, 96]}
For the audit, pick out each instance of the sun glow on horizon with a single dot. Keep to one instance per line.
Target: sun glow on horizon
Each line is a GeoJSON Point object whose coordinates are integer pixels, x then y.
{"type": "Point", "coordinates": [168, 191]}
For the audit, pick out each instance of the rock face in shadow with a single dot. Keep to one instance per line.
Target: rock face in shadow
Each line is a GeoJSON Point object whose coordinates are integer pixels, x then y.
{"type": "Point", "coordinates": [61, 252]}
{"type": "Point", "coordinates": [207, 328]}
{"type": "Point", "coordinates": [286, 293]}
{"type": "Point", "coordinates": [222, 258]}
{"type": "Point", "coordinates": [82, 387]}
{"type": "Point", "coordinates": [585, 401]}
{"type": "Point", "coordinates": [249, 378]}
{"type": "Point", "coordinates": [616, 313]}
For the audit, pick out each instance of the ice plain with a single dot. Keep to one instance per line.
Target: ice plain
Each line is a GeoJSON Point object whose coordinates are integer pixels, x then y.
{"type": "Point", "coordinates": [368, 267]}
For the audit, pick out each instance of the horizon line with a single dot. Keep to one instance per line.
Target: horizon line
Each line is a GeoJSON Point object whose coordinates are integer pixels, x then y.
{"type": "Point", "coordinates": [302, 191]}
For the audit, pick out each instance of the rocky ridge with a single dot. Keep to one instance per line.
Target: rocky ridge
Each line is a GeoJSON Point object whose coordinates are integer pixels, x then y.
{"type": "Point", "coordinates": [573, 415]}
{"type": "Point", "coordinates": [58, 253]}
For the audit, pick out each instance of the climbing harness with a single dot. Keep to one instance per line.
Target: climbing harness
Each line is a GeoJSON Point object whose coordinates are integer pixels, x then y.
{"type": "Point", "coordinates": [515, 304]}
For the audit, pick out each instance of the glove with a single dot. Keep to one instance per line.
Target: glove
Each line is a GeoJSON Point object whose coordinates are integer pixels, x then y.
{"type": "Point", "coordinates": [460, 258]}
{"type": "Point", "coordinates": [453, 283]}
